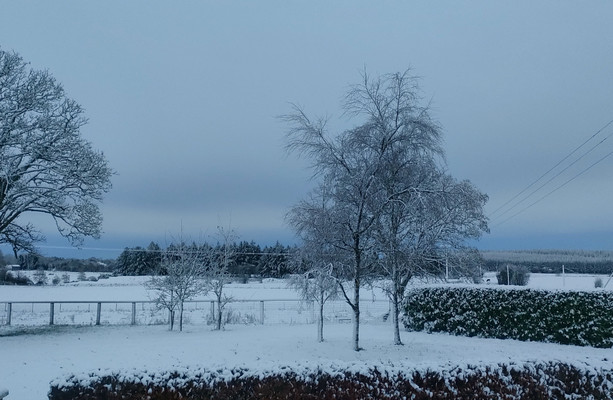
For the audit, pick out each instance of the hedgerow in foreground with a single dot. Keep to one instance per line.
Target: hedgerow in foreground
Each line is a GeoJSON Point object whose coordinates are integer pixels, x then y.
{"type": "Point", "coordinates": [345, 381]}
{"type": "Point", "coordinates": [565, 317]}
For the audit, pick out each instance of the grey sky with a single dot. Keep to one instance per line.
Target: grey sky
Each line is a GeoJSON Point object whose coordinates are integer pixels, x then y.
{"type": "Point", "coordinates": [182, 98]}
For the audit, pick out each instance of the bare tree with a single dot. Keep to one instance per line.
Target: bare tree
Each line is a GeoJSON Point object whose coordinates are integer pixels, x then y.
{"type": "Point", "coordinates": [391, 122]}
{"type": "Point", "coordinates": [45, 165]}
{"type": "Point", "coordinates": [184, 269]}
{"type": "Point", "coordinates": [40, 277]}
{"type": "Point", "coordinates": [218, 269]}
{"type": "Point", "coordinates": [315, 281]}
{"type": "Point", "coordinates": [21, 238]}
{"type": "Point", "coordinates": [422, 228]}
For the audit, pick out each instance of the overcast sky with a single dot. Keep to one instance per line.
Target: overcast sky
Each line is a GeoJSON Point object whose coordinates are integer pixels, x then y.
{"type": "Point", "coordinates": [182, 97]}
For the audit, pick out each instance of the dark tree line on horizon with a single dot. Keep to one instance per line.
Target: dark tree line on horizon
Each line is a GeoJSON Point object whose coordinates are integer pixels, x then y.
{"type": "Point", "coordinates": [33, 261]}
{"type": "Point", "coordinates": [249, 258]}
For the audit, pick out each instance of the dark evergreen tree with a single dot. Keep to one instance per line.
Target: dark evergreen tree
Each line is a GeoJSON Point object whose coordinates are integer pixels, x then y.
{"type": "Point", "coordinates": [274, 262]}
{"type": "Point", "coordinates": [140, 261]}
{"type": "Point", "coordinates": [247, 258]}
{"type": "Point", "coordinates": [29, 261]}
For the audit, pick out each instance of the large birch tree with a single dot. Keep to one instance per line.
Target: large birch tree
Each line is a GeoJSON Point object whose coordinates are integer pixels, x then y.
{"type": "Point", "coordinates": [390, 123]}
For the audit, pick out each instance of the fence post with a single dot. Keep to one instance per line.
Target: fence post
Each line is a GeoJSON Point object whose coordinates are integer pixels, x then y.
{"type": "Point", "coordinates": [98, 310]}
{"type": "Point", "coordinates": [262, 312]}
{"type": "Point", "coordinates": [133, 313]}
{"type": "Point", "coordinates": [8, 315]}
{"type": "Point", "coordinates": [51, 313]}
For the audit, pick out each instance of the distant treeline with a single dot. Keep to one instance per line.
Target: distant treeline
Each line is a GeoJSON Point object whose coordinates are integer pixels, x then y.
{"type": "Point", "coordinates": [551, 261]}
{"type": "Point", "coordinates": [248, 258]}
{"type": "Point", "coordinates": [35, 261]}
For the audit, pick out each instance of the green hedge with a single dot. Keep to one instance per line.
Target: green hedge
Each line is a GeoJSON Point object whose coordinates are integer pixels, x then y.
{"type": "Point", "coordinates": [566, 317]}
{"type": "Point", "coordinates": [542, 381]}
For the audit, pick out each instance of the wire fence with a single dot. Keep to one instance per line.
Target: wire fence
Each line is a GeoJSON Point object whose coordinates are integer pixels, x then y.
{"type": "Point", "coordinates": [289, 311]}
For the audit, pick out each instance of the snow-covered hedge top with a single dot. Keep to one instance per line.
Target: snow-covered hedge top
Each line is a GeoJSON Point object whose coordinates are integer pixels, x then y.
{"type": "Point", "coordinates": [177, 376]}
{"type": "Point", "coordinates": [344, 380]}
{"type": "Point", "coordinates": [566, 317]}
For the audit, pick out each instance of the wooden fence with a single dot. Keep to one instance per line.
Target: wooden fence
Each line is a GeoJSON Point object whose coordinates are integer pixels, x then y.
{"type": "Point", "coordinates": [146, 312]}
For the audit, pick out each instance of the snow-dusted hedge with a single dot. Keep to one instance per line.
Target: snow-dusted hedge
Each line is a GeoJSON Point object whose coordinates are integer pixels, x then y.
{"type": "Point", "coordinates": [345, 381]}
{"type": "Point", "coordinates": [566, 317]}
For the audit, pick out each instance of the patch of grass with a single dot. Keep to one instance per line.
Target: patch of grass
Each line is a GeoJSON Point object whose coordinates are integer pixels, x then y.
{"type": "Point", "coordinates": [6, 331]}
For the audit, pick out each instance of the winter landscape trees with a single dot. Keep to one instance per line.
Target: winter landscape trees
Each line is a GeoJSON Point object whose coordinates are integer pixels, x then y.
{"type": "Point", "coordinates": [384, 202]}
{"type": "Point", "coordinates": [183, 278]}
{"type": "Point", "coordinates": [317, 283]}
{"type": "Point", "coordinates": [218, 270]}
{"type": "Point", "coordinates": [46, 166]}
{"type": "Point", "coordinates": [187, 271]}
{"type": "Point", "coordinates": [140, 261]}
{"type": "Point", "coordinates": [384, 205]}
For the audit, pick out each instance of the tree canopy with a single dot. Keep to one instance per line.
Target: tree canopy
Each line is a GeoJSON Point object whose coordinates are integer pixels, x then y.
{"type": "Point", "coordinates": [46, 166]}
{"type": "Point", "coordinates": [384, 199]}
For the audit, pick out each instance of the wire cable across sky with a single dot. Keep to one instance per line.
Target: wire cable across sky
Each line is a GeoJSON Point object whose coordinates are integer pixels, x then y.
{"type": "Point", "coordinates": [511, 204]}
{"type": "Point", "coordinates": [557, 188]}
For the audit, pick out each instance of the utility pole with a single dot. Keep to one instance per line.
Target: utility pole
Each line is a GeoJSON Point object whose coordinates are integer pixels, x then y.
{"type": "Point", "coordinates": [563, 277]}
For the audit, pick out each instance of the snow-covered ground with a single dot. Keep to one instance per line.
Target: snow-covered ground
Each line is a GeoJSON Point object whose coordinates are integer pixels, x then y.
{"type": "Point", "coordinates": [559, 281]}
{"type": "Point", "coordinates": [28, 362]}
{"type": "Point", "coordinates": [131, 288]}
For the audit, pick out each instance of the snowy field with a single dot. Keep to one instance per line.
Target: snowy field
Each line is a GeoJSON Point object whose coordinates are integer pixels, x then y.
{"type": "Point", "coordinates": [28, 362]}
{"type": "Point", "coordinates": [269, 301]}
{"type": "Point", "coordinates": [130, 288]}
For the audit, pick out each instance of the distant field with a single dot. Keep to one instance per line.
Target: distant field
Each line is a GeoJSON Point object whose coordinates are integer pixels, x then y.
{"type": "Point", "coordinates": [561, 256]}
{"type": "Point", "coordinates": [269, 301]}
{"type": "Point", "coordinates": [553, 261]}
{"type": "Point", "coordinates": [131, 288]}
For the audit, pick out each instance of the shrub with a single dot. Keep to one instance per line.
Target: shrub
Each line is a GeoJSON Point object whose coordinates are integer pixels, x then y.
{"type": "Point", "coordinates": [577, 318]}
{"type": "Point", "coordinates": [40, 277]}
{"type": "Point", "coordinates": [65, 277]}
{"type": "Point", "coordinates": [598, 283]}
{"type": "Point", "coordinates": [517, 275]}
{"type": "Point", "coordinates": [56, 280]}
{"type": "Point", "coordinates": [81, 276]}
{"type": "Point", "coordinates": [530, 381]}
{"type": "Point", "coordinates": [19, 279]}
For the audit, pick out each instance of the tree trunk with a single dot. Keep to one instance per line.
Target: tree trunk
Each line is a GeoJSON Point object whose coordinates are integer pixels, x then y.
{"type": "Point", "coordinates": [395, 312]}
{"type": "Point", "coordinates": [181, 317]}
{"type": "Point", "coordinates": [320, 322]}
{"type": "Point", "coordinates": [172, 319]}
{"type": "Point", "coordinates": [219, 314]}
{"type": "Point", "coordinates": [356, 315]}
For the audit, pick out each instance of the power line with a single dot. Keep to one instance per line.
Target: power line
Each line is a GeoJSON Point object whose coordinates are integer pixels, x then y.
{"type": "Point", "coordinates": [557, 188]}
{"type": "Point", "coordinates": [554, 177]}
{"type": "Point", "coordinates": [165, 251]}
{"type": "Point", "coordinates": [551, 169]}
